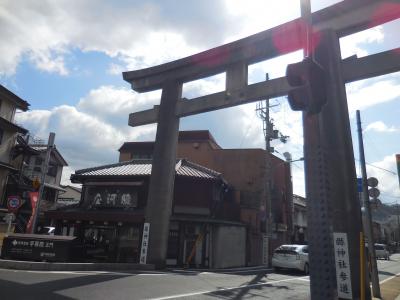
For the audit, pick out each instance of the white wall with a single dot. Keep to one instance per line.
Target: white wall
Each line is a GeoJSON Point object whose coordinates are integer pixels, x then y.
{"type": "Point", "coordinates": [7, 142]}
{"type": "Point", "coordinates": [7, 110]}
{"type": "Point", "coordinates": [229, 246]}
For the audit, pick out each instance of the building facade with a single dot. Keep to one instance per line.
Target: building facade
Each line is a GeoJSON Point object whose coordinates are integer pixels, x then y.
{"type": "Point", "coordinates": [204, 226]}
{"type": "Point", "coordinates": [32, 171]}
{"type": "Point", "coordinates": [299, 220]}
{"type": "Point", "coordinates": [9, 130]}
{"type": "Point", "coordinates": [71, 195]}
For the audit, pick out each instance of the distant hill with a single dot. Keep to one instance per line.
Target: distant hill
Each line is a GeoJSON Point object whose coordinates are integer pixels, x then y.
{"type": "Point", "coordinates": [382, 213]}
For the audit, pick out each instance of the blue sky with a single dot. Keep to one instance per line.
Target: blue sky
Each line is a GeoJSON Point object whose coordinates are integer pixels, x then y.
{"type": "Point", "coordinates": [66, 57]}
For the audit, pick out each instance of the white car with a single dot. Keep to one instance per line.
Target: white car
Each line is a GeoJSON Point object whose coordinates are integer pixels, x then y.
{"type": "Point", "coordinates": [291, 257]}
{"type": "Point", "coordinates": [48, 230]}
{"type": "Point", "coordinates": [381, 251]}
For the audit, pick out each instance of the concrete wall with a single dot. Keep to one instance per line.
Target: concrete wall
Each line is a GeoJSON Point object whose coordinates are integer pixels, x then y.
{"type": "Point", "coordinates": [70, 194]}
{"type": "Point", "coordinates": [228, 246]}
{"type": "Point", "coordinates": [3, 181]}
{"type": "Point", "coordinates": [300, 216]}
{"type": "Point", "coordinates": [125, 156]}
{"type": "Point", "coordinates": [7, 110]}
{"type": "Point", "coordinates": [7, 142]}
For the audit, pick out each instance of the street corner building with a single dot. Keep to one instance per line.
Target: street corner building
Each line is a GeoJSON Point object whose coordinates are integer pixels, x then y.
{"type": "Point", "coordinates": [109, 219]}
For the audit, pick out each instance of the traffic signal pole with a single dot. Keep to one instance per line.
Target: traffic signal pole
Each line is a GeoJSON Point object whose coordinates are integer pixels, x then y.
{"type": "Point", "coordinates": [333, 208]}
{"type": "Point", "coordinates": [368, 218]}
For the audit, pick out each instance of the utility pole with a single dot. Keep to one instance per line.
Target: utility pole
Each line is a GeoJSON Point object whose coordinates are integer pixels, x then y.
{"type": "Point", "coordinates": [368, 224]}
{"type": "Point", "coordinates": [269, 135]}
{"type": "Point", "coordinates": [50, 145]}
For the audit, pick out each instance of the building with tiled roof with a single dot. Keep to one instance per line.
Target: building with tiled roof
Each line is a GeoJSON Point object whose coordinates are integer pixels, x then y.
{"type": "Point", "coordinates": [110, 216]}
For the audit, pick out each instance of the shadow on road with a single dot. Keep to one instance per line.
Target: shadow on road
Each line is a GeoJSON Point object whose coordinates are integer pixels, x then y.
{"type": "Point", "coordinates": [11, 290]}
{"type": "Point", "coordinates": [386, 273]}
{"type": "Point", "coordinates": [256, 284]}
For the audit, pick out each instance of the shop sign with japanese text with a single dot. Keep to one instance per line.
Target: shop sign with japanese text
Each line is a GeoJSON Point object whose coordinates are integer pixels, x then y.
{"type": "Point", "coordinates": [145, 243]}
{"type": "Point", "coordinates": [121, 197]}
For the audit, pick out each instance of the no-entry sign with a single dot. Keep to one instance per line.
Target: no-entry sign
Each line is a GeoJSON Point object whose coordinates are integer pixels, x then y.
{"type": "Point", "coordinates": [13, 203]}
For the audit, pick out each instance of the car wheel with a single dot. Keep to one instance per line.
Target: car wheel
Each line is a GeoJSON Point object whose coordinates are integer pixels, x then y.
{"type": "Point", "coordinates": [306, 269]}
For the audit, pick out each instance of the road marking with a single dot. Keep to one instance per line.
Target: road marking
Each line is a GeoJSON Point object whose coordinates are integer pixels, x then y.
{"type": "Point", "coordinates": [304, 279]}
{"type": "Point", "coordinates": [387, 279]}
{"type": "Point", "coordinates": [227, 289]}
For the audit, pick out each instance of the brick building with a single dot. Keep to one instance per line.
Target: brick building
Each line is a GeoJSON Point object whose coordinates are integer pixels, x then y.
{"type": "Point", "coordinates": [244, 169]}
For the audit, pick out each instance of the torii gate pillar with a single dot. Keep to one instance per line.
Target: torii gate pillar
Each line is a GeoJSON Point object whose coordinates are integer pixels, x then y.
{"type": "Point", "coordinates": [161, 188]}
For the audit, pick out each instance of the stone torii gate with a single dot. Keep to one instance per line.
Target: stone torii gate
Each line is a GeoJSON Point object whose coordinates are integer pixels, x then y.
{"type": "Point", "coordinates": [329, 161]}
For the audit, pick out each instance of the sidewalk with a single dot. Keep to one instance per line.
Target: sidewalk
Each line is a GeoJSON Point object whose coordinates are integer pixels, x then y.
{"type": "Point", "coordinates": [47, 266]}
{"type": "Point", "coordinates": [390, 288]}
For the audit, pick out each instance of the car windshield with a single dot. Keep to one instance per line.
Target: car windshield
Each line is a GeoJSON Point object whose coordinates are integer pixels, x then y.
{"type": "Point", "coordinates": [286, 250]}
{"type": "Point", "coordinates": [379, 247]}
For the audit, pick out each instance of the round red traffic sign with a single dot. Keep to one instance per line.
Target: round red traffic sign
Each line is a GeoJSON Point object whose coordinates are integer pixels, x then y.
{"type": "Point", "coordinates": [13, 203]}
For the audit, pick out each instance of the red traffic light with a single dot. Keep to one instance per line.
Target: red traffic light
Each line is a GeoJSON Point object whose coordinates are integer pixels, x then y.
{"type": "Point", "coordinates": [308, 79]}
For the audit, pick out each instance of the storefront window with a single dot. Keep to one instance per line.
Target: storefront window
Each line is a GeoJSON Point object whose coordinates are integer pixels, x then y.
{"type": "Point", "coordinates": [128, 246]}
{"type": "Point", "coordinates": [100, 243]}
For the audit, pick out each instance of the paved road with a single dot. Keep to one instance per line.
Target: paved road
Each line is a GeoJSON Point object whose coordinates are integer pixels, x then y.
{"type": "Point", "coordinates": [152, 285]}
{"type": "Point", "coordinates": [242, 284]}
{"type": "Point", "coordinates": [389, 268]}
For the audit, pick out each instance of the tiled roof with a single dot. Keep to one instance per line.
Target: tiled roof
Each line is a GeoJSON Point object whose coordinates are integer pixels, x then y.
{"type": "Point", "coordinates": [183, 136]}
{"type": "Point", "coordinates": [142, 167]}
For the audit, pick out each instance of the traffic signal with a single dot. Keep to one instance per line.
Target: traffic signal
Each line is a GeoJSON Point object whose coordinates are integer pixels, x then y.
{"type": "Point", "coordinates": [308, 80]}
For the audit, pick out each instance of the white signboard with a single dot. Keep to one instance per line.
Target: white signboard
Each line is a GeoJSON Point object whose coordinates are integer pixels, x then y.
{"type": "Point", "coordinates": [145, 243]}
{"type": "Point", "coordinates": [343, 275]}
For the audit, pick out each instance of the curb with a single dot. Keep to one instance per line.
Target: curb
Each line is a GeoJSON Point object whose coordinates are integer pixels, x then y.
{"type": "Point", "coordinates": [47, 266]}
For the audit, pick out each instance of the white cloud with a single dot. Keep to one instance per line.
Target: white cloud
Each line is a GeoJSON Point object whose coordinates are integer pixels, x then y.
{"type": "Point", "coordinates": [140, 33]}
{"type": "Point", "coordinates": [379, 126]}
{"type": "Point", "coordinates": [388, 181]}
{"type": "Point", "coordinates": [259, 15]}
{"type": "Point", "coordinates": [90, 133]}
{"type": "Point", "coordinates": [358, 43]}
{"type": "Point", "coordinates": [111, 103]}
{"type": "Point", "coordinates": [66, 175]}
{"type": "Point", "coordinates": [368, 93]}
{"type": "Point", "coordinates": [116, 69]}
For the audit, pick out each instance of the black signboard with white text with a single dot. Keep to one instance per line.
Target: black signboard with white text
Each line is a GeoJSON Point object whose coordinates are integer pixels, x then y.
{"type": "Point", "coordinates": [110, 197]}
{"type": "Point", "coordinates": [36, 247]}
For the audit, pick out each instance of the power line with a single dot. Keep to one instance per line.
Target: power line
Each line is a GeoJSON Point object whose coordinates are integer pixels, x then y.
{"type": "Point", "coordinates": [383, 169]}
